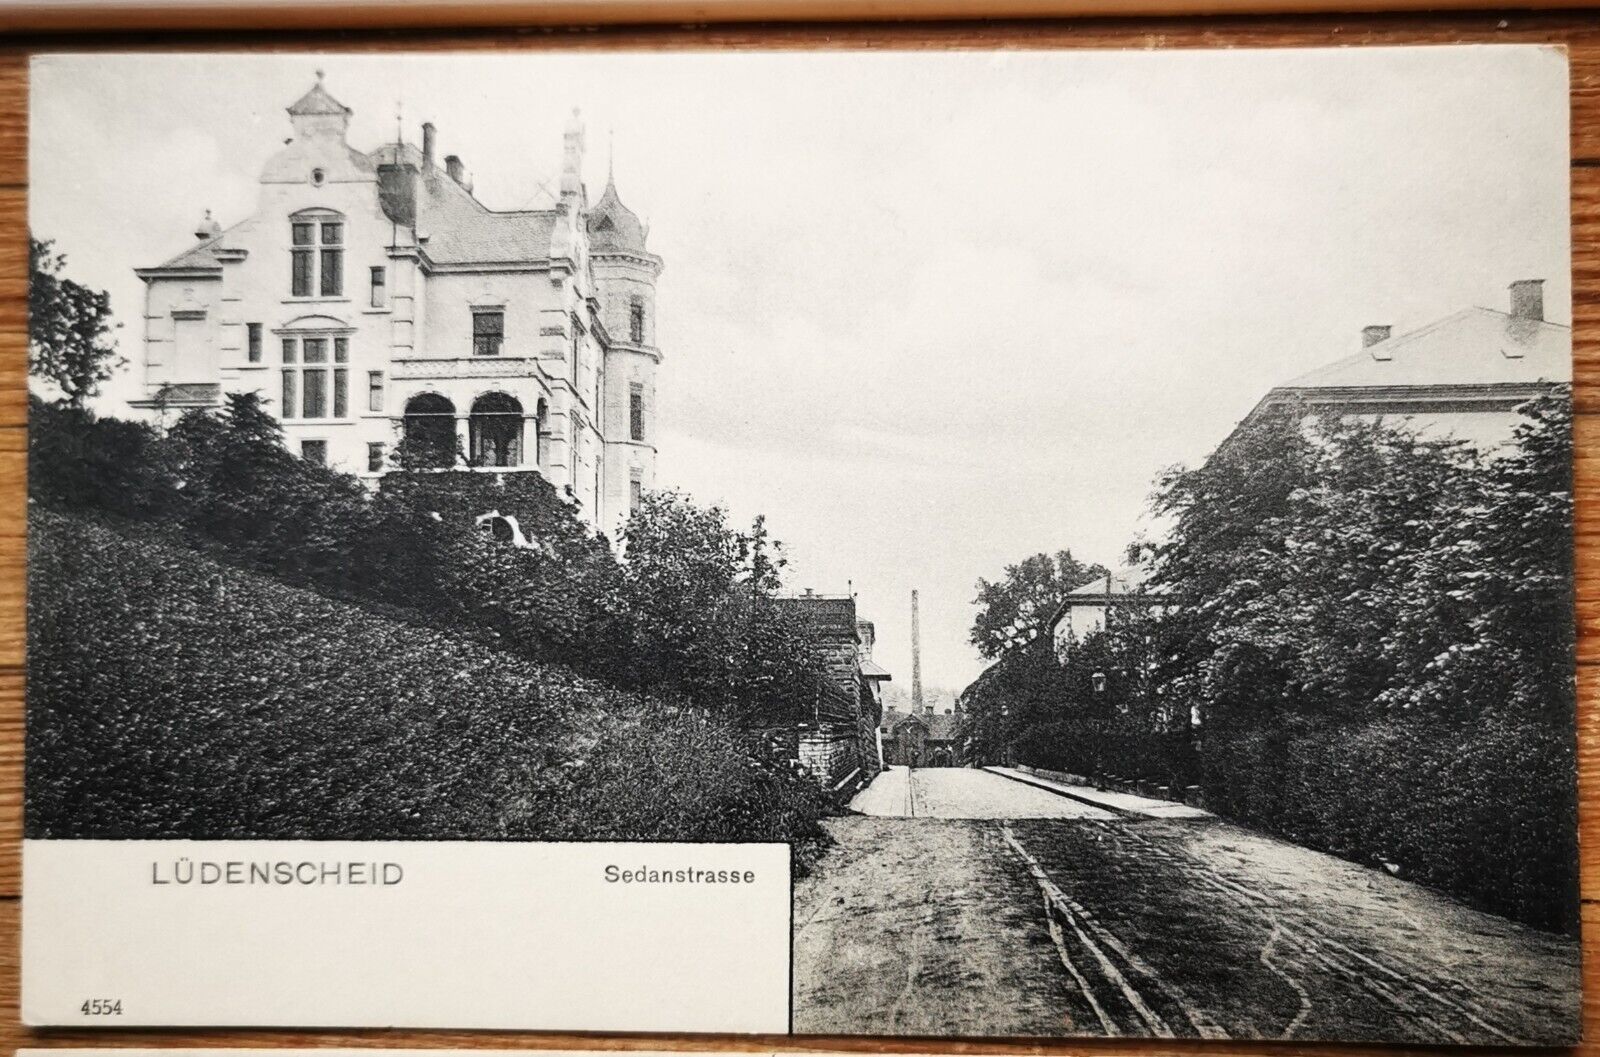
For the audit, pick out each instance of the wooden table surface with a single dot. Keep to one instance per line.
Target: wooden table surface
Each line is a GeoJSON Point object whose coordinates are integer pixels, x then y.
{"type": "Point", "coordinates": [1578, 31]}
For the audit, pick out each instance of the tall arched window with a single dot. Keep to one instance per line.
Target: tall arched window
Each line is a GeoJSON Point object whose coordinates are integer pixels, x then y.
{"type": "Point", "coordinates": [430, 430]}
{"type": "Point", "coordinates": [496, 430]}
{"type": "Point", "coordinates": [316, 254]}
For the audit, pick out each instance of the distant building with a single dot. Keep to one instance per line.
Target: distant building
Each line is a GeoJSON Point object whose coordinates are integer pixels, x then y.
{"type": "Point", "coordinates": [1098, 603]}
{"type": "Point", "coordinates": [921, 739]}
{"type": "Point", "coordinates": [370, 295]}
{"type": "Point", "coordinates": [837, 741]}
{"type": "Point", "coordinates": [1462, 376]}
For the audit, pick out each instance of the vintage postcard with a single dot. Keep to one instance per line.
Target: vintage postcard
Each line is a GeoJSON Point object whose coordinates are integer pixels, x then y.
{"type": "Point", "coordinates": [938, 543]}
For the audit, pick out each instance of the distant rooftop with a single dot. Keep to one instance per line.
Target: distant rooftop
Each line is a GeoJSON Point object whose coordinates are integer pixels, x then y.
{"type": "Point", "coordinates": [833, 615]}
{"type": "Point", "coordinates": [1120, 582]}
{"type": "Point", "coordinates": [1475, 346]}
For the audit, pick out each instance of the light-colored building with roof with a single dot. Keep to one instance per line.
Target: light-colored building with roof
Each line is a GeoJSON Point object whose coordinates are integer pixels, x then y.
{"type": "Point", "coordinates": [1094, 605]}
{"type": "Point", "coordinates": [372, 297]}
{"type": "Point", "coordinates": [1463, 376]}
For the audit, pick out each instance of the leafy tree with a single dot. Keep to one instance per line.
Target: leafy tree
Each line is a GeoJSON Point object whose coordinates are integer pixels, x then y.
{"type": "Point", "coordinates": [423, 451]}
{"type": "Point", "coordinates": [1497, 628]}
{"type": "Point", "coordinates": [70, 330]}
{"type": "Point", "coordinates": [243, 490]}
{"type": "Point", "coordinates": [1298, 552]}
{"type": "Point", "coordinates": [707, 620]}
{"type": "Point", "coordinates": [1013, 611]}
{"type": "Point", "coordinates": [80, 461]}
{"type": "Point", "coordinates": [1377, 630]}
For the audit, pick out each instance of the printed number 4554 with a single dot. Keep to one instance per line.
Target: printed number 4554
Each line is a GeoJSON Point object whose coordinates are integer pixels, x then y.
{"type": "Point", "coordinates": [101, 1007]}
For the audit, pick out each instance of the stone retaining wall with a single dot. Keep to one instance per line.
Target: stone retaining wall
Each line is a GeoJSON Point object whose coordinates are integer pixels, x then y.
{"type": "Point", "coordinates": [831, 752]}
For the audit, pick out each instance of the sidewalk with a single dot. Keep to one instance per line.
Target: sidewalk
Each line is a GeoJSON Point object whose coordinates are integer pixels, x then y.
{"type": "Point", "coordinates": [1124, 803]}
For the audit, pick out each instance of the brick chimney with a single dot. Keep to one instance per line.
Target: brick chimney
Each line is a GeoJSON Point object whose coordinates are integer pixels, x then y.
{"type": "Point", "coordinates": [427, 146]}
{"type": "Point", "coordinates": [1527, 299]}
{"type": "Point", "coordinates": [1370, 336]}
{"type": "Point", "coordinates": [457, 171]}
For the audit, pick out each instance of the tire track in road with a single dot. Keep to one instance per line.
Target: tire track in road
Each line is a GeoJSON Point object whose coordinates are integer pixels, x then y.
{"type": "Point", "coordinates": [913, 972]}
{"type": "Point", "coordinates": [1105, 950]}
{"type": "Point", "coordinates": [1293, 984]}
{"type": "Point", "coordinates": [1347, 963]}
{"type": "Point", "coordinates": [1060, 940]}
{"type": "Point", "coordinates": [1056, 911]}
{"type": "Point", "coordinates": [1340, 958]}
{"type": "Point", "coordinates": [1306, 939]}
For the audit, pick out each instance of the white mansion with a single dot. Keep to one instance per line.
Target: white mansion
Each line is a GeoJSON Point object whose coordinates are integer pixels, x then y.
{"type": "Point", "coordinates": [371, 298]}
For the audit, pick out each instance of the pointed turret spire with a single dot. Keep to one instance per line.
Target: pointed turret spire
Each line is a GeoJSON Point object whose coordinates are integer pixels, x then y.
{"type": "Point", "coordinates": [612, 225]}
{"type": "Point", "coordinates": [318, 112]}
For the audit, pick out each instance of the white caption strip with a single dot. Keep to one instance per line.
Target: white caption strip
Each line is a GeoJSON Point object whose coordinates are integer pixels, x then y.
{"type": "Point", "coordinates": [448, 934]}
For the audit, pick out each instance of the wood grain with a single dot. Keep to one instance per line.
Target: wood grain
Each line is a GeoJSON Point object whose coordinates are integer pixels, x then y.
{"type": "Point", "coordinates": [1577, 31]}
{"type": "Point", "coordinates": [70, 16]}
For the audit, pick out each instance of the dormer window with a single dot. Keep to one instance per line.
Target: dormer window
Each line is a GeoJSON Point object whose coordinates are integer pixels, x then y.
{"type": "Point", "coordinates": [316, 254]}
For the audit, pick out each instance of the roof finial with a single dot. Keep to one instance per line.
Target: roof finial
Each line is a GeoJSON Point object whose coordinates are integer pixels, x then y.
{"type": "Point", "coordinates": [319, 77]}
{"type": "Point", "coordinates": [611, 155]}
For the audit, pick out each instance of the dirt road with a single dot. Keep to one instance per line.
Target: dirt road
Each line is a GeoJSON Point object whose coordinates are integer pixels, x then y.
{"type": "Point", "coordinates": [959, 903]}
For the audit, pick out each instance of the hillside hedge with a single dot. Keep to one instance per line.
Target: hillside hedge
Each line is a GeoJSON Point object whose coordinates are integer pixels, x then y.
{"type": "Point", "coordinates": [173, 696]}
{"type": "Point", "coordinates": [1483, 811]}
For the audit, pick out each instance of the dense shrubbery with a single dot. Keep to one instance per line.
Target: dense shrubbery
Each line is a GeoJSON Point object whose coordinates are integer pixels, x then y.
{"type": "Point", "coordinates": [173, 696]}
{"type": "Point", "coordinates": [1483, 810]}
{"type": "Point", "coordinates": [1375, 633]}
{"type": "Point", "coordinates": [1126, 728]}
{"type": "Point", "coordinates": [209, 702]}
{"type": "Point", "coordinates": [688, 610]}
{"type": "Point", "coordinates": [1378, 630]}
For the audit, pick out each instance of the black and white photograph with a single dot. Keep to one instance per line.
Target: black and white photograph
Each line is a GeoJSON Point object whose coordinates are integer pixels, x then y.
{"type": "Point", "coordinates": [928, 543]}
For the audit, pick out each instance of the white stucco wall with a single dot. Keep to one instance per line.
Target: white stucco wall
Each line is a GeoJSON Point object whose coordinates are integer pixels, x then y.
{"type": "Point", "coordinates": [419, 339]}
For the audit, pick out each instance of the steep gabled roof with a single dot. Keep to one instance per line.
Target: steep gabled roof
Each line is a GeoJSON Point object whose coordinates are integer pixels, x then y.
{"type": "Point", "coordinates": [200, 255]}
{"type": "Point", "coordinates": [461, 229]}
{"type": "Point", "coordinates": [893, 717]}
{"type": "Point", "coordinates": [941, 726]}
{"type": "Point", "coordinates": [318, 101]}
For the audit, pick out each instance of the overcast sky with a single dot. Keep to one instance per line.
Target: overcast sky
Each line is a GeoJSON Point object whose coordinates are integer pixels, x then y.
{"type": "Point", "coordinates": [929, 312]}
